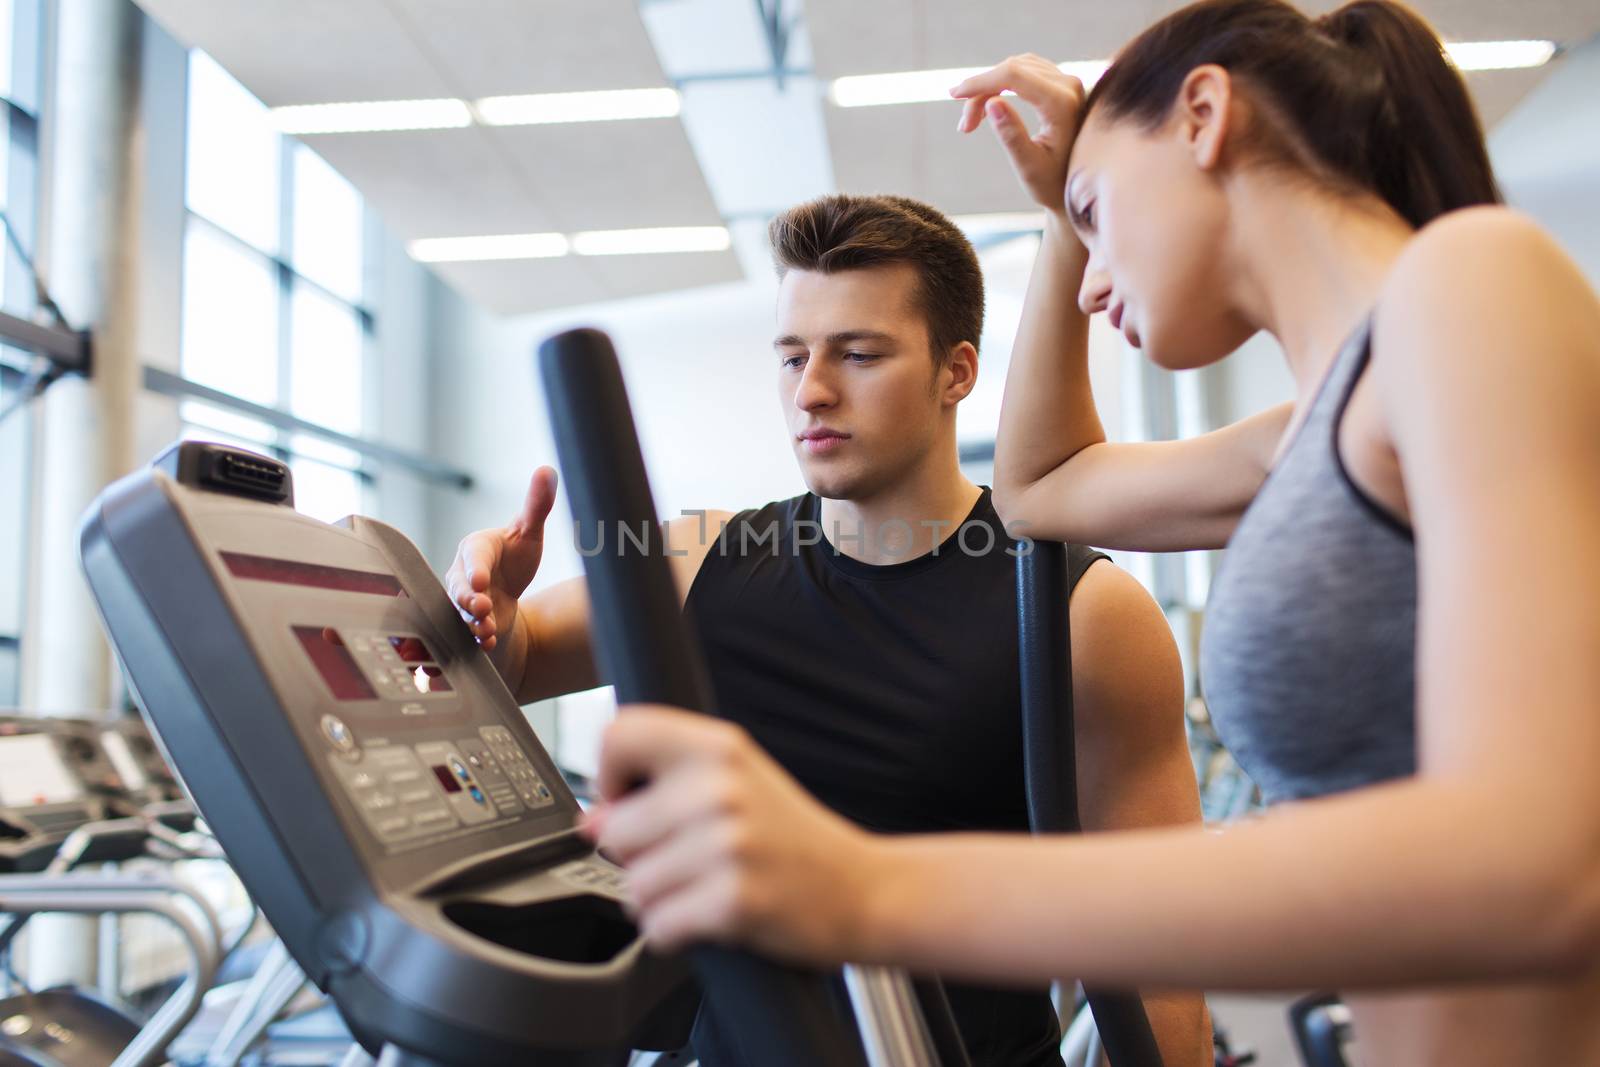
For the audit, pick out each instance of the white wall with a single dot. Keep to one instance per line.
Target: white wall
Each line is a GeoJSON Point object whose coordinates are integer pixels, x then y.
{"type": "Point", "coordinates": [1547, 155]}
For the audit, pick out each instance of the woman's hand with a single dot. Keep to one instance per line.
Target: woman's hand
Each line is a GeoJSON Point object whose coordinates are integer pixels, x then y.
{"type": "Point", "coordinates": [1040, 160]}
{"type": "Point", "coordinates": [720, 844]}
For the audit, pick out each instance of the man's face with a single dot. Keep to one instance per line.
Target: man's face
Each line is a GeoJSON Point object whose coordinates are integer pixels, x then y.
{"type": "Point", "coordinates": [856, 378]}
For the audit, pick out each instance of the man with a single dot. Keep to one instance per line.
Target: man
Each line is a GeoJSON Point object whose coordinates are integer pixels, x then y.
{"type": "Point", "coordinates": [864, 633]}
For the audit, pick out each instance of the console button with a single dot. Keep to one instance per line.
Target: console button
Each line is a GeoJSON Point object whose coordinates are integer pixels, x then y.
{"type": "Point", "coordinates": [433, 818]}
{"type": "Point", "coordinates": [337, 733]}
{"type": "Point", "coordinates": [391, 825]}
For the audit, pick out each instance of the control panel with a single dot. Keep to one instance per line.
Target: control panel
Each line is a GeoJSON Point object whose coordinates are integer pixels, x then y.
{"type": "Point", "coordinates": [415, 792]}
{"type": "Point", "coordinates": [391, 711]}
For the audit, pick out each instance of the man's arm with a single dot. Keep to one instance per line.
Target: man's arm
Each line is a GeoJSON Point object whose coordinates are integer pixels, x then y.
{"type": "Point", "coordinates": [549, 651]}
{"type": "Point", "coordinates": [1134, 768]}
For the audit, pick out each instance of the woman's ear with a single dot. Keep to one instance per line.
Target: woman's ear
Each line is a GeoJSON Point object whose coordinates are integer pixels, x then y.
{"type": "Point", "coordinates": [1203, 111]}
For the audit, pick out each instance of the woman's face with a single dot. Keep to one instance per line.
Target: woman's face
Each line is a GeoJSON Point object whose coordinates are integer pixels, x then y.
{"type": "Point", "coordinates": [1151, 210]}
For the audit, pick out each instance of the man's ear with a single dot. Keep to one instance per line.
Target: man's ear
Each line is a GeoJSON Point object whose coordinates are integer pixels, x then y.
{"type": "Point", "coordinates": [1204, 112]}
{"type": "Point", "coordinates": [959, 374]}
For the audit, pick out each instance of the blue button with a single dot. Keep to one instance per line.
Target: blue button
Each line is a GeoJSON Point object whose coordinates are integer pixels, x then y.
{"type": "Point", "coordinates": [477, 794]}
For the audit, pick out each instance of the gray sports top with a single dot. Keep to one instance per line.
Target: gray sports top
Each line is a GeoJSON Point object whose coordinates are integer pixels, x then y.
{"type": "Point", "coordinates": [1308, 657]}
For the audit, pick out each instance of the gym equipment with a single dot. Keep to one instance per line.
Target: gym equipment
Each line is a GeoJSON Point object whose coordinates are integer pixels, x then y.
{"type": "Point", "coordinates": [146, 777]}
{"type": "Point", "coordinates": [379, 792]}
{"type": "Point", "coordinates": [59, 790]}
{"type": "Point", "coordinates": [53, 780]}
{"type": "Point", "coordinates": [1322, 1030]}
{"type": "Point", "coordinates": [648, 653]}
{"type": "Point", "coordinates": [67, 1028]}
{"type": "Point", "coordinates": [1049, 755]}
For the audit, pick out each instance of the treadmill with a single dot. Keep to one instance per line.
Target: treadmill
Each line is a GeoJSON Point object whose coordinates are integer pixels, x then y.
{"type": "Point", "coordinates": [53, 780]}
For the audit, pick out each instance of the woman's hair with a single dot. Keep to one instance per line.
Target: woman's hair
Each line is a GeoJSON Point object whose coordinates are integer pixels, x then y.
{"type": "Point", "coordinates": [1363, 97]}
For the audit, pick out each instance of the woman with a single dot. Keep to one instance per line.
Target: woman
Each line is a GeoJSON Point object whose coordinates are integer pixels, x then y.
{"type": "Point", "coordinates": [1401, 644]}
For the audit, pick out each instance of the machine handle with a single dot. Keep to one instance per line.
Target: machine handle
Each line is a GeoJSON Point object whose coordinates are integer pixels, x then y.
{"type": "Point", "coordinates": [1050, 759]}
{"type": "Point", "coordinates": [644, 648]}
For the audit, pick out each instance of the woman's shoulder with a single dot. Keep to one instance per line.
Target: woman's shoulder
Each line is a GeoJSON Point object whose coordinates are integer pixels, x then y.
{"type": "Point", "coordinates": [1477, 274]}
{"type": "Point", "coordinates": [1467, 247]}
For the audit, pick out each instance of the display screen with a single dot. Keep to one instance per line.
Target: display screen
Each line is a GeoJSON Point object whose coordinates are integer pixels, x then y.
{"type": "Point", "coordinates": [446, 779]}
{"type": "Point", "coordinates": [31, 773]}
{"type": "Point", "coordinates": [315, 575]}
{"type": "Point", "coordinates": [122, 760]}
{"type": "Point", "coordinates": [412, 650]}
{"type": "Point", "coordinates": [334, 662]}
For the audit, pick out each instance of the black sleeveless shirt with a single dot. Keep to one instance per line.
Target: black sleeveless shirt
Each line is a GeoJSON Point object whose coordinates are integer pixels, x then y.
{"type": "Point", "coordinates": [890, 692]}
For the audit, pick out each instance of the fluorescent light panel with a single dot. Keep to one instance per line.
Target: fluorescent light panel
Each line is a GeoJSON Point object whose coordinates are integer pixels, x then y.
{"type": "Point", "coordinates": [926, 86]}
{"type": "Point", "coordinates": [645, 242]}
{"type": "Point", "coordinates": [496, 246]}
{"type": "Point", "coordinates": [1000, 222]}
{"type": "Point", "coordinates": [1499, 55]}
{"type": "Point", "coordinates": [372, 116]}
{"type": "Point", "coordinates": [603, 106]}
{"type": "Point", "coordinates": [589, 243]}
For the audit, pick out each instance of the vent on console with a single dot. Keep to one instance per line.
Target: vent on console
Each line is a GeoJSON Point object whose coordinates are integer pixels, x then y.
{"type": "Point", "coordinates": [263, 476]}
{"type": "Point", "coordinates": [224, 469]}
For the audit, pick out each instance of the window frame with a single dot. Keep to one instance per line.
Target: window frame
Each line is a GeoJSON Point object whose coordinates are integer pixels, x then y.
{"type": "Point", "coordinates": [20, 101]}
{"type": "Point", "coordinates": [281, 443]}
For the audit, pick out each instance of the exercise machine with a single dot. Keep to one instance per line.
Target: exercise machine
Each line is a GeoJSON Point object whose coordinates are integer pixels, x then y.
{"type": "Point", "coordinates": [379, 792]}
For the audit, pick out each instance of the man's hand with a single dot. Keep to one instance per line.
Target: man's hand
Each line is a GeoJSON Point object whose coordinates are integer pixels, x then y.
{"type": "Point", "coordinates": [721, 844]}
{"type": "Point", "coordinates": [493, 567]}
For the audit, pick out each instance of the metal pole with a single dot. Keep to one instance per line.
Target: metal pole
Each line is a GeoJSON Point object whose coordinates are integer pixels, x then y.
{"type": "Point", "coordinates": [90, 178]}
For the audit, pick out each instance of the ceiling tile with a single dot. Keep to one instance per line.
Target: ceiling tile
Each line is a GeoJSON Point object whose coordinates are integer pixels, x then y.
{"type": "Point", "coordinates": [438, 183]}
{"type": "Point", "coordinates": [500, 47]}
{"type": "Point", "coordinates": [850, 37]}
{"type": "Point", "coordinates": [307, 51]}
{"type": "Point", "coordinates": [611, 175]}
{"type": "Point", "coordinates": [514, 287]}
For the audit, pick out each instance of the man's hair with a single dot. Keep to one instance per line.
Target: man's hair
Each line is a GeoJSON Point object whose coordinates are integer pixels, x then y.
{"type": "Point", "coordinates": [839, 233]}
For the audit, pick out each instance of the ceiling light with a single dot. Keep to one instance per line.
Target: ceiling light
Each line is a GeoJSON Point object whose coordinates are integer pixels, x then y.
{"type": "Point", "coordinates": [1000, 222]}
{"type": "Point", "coordinates": [924, 86]}
{"type": "Point", "coordinates": [1499, 55]}
{"type": "Point", "coordinates": [497, 246]}
{"type": "Point", "coordinates": [602, 106]}
{"type": "Point", "coordinates": [661, 239]}
{"type": "Point", "coordinates": [372, 116]}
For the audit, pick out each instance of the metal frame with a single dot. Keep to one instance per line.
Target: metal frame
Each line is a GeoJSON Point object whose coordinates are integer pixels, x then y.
{"type": "Point", "coordinates": [98, 895]}
{"type": "Point", "coordinates": [777, 30]}
{"type": "Point", "coordinates": [166, 383]}
{"type": "Point", "coordinates": [69, 351]}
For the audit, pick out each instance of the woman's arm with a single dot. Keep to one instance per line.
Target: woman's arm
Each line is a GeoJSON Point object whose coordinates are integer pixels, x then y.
{"type": "Point", "coordinates": [1484, 866]}
{"type": "Point", "coordinates": [1055, 476]}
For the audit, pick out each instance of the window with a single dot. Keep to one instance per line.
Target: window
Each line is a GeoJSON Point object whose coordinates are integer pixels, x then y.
{"type": "Point", "coordinates": [274, 308]}
{"type": "Point", "coordinates": [20, 49]}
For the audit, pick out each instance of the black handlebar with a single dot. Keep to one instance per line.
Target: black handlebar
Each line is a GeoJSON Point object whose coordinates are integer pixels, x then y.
{"type": "Point", "coordinates": [1050, 756]}
{"type": "Point", "coordinates": [786, 1015]}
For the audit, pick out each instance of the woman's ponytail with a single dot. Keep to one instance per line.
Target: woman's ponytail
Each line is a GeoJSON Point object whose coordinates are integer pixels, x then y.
{"type": "Point", "coordinates": [1426, 152]}
{"type": "Point", "coordinates": [1363, 97]}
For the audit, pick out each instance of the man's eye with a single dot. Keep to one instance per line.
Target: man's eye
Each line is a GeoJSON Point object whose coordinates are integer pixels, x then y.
{"type": "Point", "coordinates": [1086, 213]}
{"type": "Point", "coordinates": [792, 362]}
{"type": "Point", "coordinates": [860, 357]}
